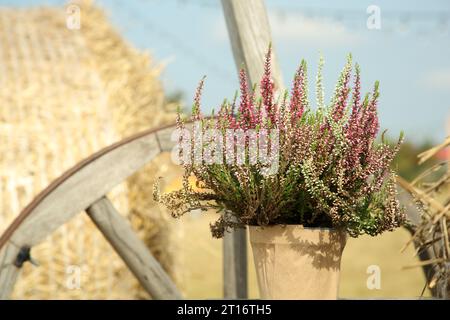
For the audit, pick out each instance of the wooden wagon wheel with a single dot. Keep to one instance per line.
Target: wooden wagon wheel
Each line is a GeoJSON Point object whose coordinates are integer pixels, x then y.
{"type": "Point", "coordinates": [84, 186]}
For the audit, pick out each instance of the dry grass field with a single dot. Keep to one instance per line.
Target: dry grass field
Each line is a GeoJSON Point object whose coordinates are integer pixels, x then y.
{"type": "Point", "coordinates": [202, 257]}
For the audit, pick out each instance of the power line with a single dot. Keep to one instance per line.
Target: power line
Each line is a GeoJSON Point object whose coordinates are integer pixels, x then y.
{"type": "Point", "coordinates": [327, 11]}
{"type": "Point", "coordinates": [395, 18]}
{"type": "Point", "coordinates": [179, 44]}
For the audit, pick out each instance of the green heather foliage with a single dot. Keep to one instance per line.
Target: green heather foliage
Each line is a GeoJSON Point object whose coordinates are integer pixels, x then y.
{"type": "Point", "coordinates": [332, 173]}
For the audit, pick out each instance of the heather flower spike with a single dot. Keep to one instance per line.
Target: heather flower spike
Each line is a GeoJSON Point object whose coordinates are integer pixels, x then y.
{"type": "Point", "coordinates": [342, 90]}
{"type": "Point", "coordinates": [299, 94]}
{"type": "Point", "coordinates": [319, 85]}
{"type": "Point", "coordinates": [267, 89]}
{"type": "Point", "coordinates": [196, 107]}
{"type": "Point", "coordinates": [331, 171]}
{"type": "Point", "coordinates": [246, 108]}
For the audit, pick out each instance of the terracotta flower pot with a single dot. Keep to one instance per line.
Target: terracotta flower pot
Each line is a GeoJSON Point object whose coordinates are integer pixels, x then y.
{"type": "Point", "coordinates": [293, 262]}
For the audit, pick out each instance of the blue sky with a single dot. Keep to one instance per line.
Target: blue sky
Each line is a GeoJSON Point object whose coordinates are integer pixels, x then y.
{"type": "Point", "coordinates": [410, 54]}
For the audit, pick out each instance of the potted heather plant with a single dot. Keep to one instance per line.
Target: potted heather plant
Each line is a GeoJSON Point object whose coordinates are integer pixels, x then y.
{"type": "Point", "coordinates": [302, 179]}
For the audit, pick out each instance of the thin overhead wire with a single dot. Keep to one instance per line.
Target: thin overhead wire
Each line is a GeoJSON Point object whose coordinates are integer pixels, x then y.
{"type": "Point", "coordinates": [179, 44]}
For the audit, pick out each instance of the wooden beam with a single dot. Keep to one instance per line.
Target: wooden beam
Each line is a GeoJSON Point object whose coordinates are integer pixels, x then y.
{"type": "Point", "coordinates": [132, 250]}
{"type": "Point", "coordinates": [166, 138]}
{"type": "Point", "coordinates": [9, 271]}
{"type": "Point", "coordinates": [249, 33]}
{"type": "Point", "coordinates": [76, 190]}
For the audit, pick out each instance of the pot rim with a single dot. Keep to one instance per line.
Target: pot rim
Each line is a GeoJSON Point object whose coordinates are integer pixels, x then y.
{"type": "Point", "coordinates": [293, 226]}
{"type": "Point", "coordinates": [288, 233]}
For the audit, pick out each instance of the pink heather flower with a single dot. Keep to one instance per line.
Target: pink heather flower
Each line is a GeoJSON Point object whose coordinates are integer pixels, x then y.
{"type": "Point", "coordinates": [298, 93]}
{"type": "Point", "coordinates": [246, 108]}
{"type": "Point", "coordinates": [372, 124]}
{"type": "Point", "coordinates": [281, 113]}
{"type": "Point", "coordinates": [342, 93]}
{"type": "Point", "coordinates": [196, 112]}
{"type": "Point", "coordinates": [353, 129]}
{"type": "Point", "coordinates": [356, 105]}
{"type": "Point", "coordinates": [267, 88]}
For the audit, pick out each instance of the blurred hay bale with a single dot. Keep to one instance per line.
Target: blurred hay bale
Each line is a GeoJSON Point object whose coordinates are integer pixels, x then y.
{"type": "Point", "coordinates": [133, 86]}
{"type": "Point", "coordinates": [63, 95]}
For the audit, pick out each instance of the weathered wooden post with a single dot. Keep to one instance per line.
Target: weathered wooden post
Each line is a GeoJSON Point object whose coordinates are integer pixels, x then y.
{"type": "Point", "coordinates": [235, 264]}
{"type": "Point", "coordinates": [249, 32]}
